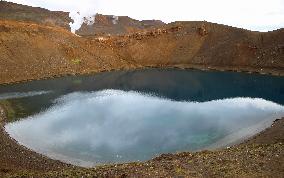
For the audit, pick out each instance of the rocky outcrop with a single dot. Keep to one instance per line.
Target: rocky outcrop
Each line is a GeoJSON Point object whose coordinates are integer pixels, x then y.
{"type": "Point", "coordinates": [18, 12]}
{"type": "Point", "coordinates": [115, 25]}
{"type": "Point", "coordinates": [202, 30]}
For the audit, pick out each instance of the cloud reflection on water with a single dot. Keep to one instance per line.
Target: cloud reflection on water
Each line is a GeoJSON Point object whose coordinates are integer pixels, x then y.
{"type": "Point", "coordinates": [117, 126]}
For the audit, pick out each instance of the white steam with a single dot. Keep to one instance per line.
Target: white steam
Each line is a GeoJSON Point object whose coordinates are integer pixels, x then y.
{"type": "Point", "coordinates": [79, 10]}
{"type": "Point", "coordinates": [115, 19]}
{"type": "Point", "coordinates": [80, 18]}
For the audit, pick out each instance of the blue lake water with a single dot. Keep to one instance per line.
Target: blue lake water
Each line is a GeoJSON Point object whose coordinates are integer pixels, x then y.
{"type": "Point", "coordinates": [119, 117]}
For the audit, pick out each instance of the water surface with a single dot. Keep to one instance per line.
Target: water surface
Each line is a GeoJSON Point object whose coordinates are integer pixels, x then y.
{"type": "Point", "coordinates": [136, 115]}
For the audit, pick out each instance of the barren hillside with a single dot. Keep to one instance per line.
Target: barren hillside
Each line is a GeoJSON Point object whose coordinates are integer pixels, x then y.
{"type": "Point", "coordinates": [205, 44]}
{"type": "Point", "coordinates": [33, 50]}
{"type": "Point", "coordinates": [30, 51]}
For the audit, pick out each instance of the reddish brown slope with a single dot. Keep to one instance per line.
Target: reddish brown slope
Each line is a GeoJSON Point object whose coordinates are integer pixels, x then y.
{"type": "Point", "coordinates": [30, 51]}
{"type": "Point", "coordinates": [220, 46]}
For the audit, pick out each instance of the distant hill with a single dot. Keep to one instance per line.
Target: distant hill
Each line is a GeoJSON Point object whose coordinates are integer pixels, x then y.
{"type": "Point", "coordinates": [104, 24]}
{"type": "Point", "coordinates": [116, 25]}
{"type": "Point", "coordinates": [18, 12]}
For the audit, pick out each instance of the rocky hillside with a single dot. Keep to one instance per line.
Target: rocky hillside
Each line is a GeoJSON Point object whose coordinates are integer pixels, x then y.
{"type": "Point", "coordinates": [18, 12]}
{"type": "Point", "coordinates": [116, 25]}
{"type": "Point", "coordinates": [204, 44]}
{"type": "Point", "coordinates": [30, 51]}
{"type": "Point", "coordinates": [33, 49]}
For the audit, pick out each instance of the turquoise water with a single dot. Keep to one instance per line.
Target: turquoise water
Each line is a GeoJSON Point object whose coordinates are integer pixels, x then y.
{"type": "Point", "coordinates": [133, 116]}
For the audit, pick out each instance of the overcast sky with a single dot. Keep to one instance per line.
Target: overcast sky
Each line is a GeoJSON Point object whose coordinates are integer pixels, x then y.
{"type": "Point", "coordinates": [259, 15]}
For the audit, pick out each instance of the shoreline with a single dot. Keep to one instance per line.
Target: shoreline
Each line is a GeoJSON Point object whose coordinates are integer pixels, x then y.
{"type": "Point", "coordinates": [247, 70]}
{"type": "Point", "coordinates": [35, 163]}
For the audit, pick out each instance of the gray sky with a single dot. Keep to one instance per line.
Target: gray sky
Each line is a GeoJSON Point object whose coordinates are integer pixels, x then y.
{"type": "Point", "coordinates": [257, 15]}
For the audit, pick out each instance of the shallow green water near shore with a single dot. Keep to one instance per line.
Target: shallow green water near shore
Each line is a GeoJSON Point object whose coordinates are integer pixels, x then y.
{"type": "Point", "coordinates": [136, 115]}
